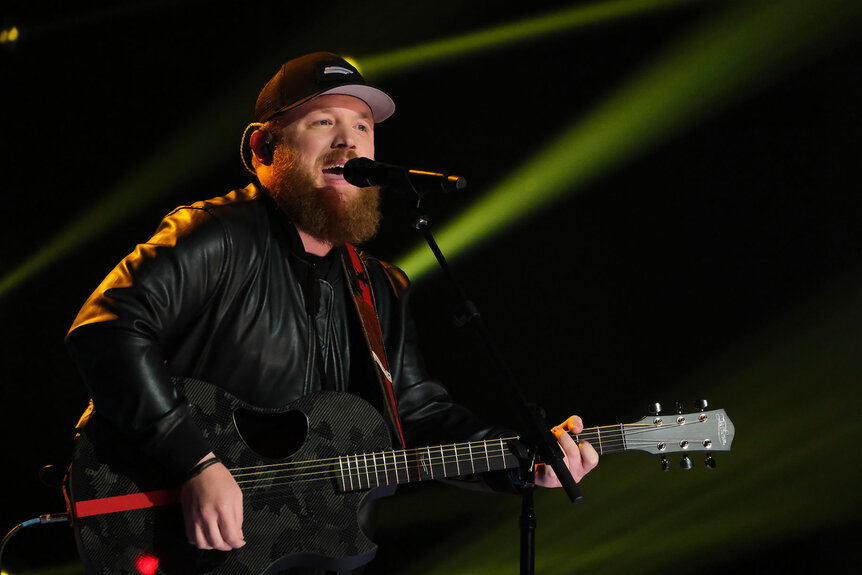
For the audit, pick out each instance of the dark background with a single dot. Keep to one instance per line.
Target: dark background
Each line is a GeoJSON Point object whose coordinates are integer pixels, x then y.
{"type": "Point", "coordinates": [621, 294]}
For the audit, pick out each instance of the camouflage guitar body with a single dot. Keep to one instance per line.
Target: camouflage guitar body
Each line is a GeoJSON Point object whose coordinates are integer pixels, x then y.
{"type": "Point", "coordinates": [126, 513]}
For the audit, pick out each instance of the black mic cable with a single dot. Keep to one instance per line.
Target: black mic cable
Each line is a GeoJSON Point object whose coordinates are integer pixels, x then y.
{"type": "Point", "coordinates": [41, 520]}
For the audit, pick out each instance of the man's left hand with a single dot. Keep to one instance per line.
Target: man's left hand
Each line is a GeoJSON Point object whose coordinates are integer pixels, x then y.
{"type": "Point", "coordinates": [579, 458]}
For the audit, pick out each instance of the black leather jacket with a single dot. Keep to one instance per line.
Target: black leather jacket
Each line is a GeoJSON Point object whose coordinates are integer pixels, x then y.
{"type": "Point", "coordinates": [224, 292]}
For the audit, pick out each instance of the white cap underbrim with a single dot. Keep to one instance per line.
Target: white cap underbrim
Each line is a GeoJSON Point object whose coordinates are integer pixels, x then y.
{"type": "Point", "coordinates": [382, 106]}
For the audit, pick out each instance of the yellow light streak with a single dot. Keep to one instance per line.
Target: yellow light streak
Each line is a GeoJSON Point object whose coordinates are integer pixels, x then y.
{"type": "Point", "coordinates": [713, 67]}
{"type": "Point", "coordinates": [201, 144]}
{"type": "Point", "coordinates": [509, 34]}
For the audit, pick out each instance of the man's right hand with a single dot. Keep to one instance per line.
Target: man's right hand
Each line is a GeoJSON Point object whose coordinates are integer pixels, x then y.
{"type": "Point", "coordinates": [212, 509]}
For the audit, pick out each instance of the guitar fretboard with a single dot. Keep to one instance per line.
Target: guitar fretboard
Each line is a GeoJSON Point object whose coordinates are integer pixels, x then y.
{"type": "Point", "coordinates": [608, 439]}
{"type": "Point", "coordinates": [368, 470]}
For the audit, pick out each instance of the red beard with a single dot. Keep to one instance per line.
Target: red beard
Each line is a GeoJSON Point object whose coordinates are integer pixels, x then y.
{"type": "Point", "coordinates": [323, 213]}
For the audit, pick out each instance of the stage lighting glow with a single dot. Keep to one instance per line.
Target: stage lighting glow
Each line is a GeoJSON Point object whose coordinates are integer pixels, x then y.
{"type": "Point", "coordinates": [715, 66]}
{"type": "Point", "coordinates": [8, 35]}
{"type": "Point", "coordinates": [147, 564]}
{"type": "Point", "coordinates": [503, 35]}
{"type": "Point", "coordinates": [180, 160]}
{"type": "Point", "coordinates": [353, 62]}
{"type": "Point", "coordinates": [722, 62]}
{"type": "Point", "coordinates": [201, 142]}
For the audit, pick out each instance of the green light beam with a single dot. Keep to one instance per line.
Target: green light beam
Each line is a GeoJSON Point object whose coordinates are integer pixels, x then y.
{"type": "Point", "coordinates": [204, 142]}
{"type": "Point", "coordinates": [741, 51]}
{"type": "Point", "coordinates": [506, 35]}
{"type": "Point", "coordinates": [178, 162]}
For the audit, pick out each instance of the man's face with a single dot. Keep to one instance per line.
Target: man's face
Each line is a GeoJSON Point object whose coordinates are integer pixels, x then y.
{"type": "Point", "coordinates": [316, 141]}
{"type": "Point", "coordinates": [326, 132]}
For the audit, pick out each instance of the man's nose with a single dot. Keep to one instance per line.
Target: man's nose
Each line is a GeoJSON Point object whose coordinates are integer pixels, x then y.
{"type": "Point", "coordinates": [343, 138]}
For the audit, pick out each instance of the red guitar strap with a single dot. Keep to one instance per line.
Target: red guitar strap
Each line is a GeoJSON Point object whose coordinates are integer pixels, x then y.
{"type": "Point", "coordinates": [363, 297]}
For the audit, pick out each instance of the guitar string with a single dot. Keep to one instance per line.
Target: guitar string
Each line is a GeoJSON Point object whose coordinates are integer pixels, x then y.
{"type": "Point", "coordinates": [417, 456]}
{"type": "Point", "coordinates": [367, 467]}
{"type": "Point", "coordinates": [435, 450]}
{"type": "Point", "coordinates": [394, 460]}
{"type": "Point", "coordinates": [362, 479]}
{"type": "Point", "coordinates": [455, 446]}
{"type": "Point", "coordinates": [362, 472]}
{"type": "Point", "coordinates": [358, 479]}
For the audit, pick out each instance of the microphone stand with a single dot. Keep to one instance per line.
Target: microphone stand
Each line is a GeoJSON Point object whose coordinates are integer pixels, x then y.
{"type": "Point", "coordinates": [539, 440]}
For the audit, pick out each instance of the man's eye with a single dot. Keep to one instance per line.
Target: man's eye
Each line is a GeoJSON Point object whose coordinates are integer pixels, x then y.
{"type": "Point", "coordinates": [324, 122]}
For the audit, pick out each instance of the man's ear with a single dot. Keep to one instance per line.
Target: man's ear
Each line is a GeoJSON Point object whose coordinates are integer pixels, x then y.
{"type": "Point", "coordinates": [262, 145]}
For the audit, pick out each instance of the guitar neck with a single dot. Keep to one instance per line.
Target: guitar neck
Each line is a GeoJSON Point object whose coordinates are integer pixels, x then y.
{"type": "Point", "coordinates": [368, 470]}
{"type": "Point", "coordinates": [697, 432]}
{"type": "Point", "coordinates": [607, 439]}
{"type": "Point", "coordinates": [364, 471]}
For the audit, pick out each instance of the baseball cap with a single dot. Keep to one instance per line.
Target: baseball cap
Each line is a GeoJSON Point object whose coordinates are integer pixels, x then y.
{"type": "Point", "coordinates": [301, 79]}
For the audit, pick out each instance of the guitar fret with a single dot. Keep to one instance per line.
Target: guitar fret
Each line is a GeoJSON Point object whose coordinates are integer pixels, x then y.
{"type": "Point", "coordinates": [487, 460]}
{"type": "Point", "coordinates": [367, 471]}
{"type": "Point", "coordinates": [406, 465]}
{"type": "Point", "coordinates": [376, 475]}
{"type": "Point", "coordinates": [502, 454]}
{"type": "Point", "coordinates": [623, 436]}
{"type": "Point", "coordinates": [599, 437]}
{"type": "Point", "coordinates": [385, 467]}
{"type": "Point", "coordinates": [341, 469]}
{"type": "Point", "coordinates": [358, 471]}
{"type": "Point", "coordinates": [443, 462]}
{"type": "Point", "coordinates": [457, 463]}
{"type": "Point", "coordinates": [481, 470]}
{"type": "Point", "coordinates": [472, 463]}
{"type": "Point", "coordinates": [349, 474]}
{"type": "Point", "coordinates": [395, 467]}
{"type": "Point", "coordinates": [430, 463]}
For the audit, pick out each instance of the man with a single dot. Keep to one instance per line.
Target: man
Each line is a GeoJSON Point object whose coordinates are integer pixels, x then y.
{"type": "Point", "coordinates": [256, 292]}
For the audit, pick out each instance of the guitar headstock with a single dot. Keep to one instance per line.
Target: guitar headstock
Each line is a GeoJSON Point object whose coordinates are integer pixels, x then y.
{"type": "Point", "coordinates": [707, 431]}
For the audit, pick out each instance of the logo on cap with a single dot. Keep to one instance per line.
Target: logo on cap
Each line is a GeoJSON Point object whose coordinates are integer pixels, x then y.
{"type": "Point", "coordinates": [337, 70]}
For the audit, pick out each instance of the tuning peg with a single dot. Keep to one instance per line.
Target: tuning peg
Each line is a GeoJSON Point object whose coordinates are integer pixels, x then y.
{"type": "Point", "coordinates": [655, 408]}
{"type": "Point", "coordinates": [710, 462]}
{"type": "Point", "coordinates": [701, 404]}
{"type": "Point", "coordinates": [686, 462]}
{"type": "Point", "coordinates": [664, 464]}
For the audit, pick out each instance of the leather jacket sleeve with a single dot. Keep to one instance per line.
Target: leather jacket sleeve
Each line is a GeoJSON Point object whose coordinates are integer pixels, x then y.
{"type": "Point", "coordinates": [119, 336]}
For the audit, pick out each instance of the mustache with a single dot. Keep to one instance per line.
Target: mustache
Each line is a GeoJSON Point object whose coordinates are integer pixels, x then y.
{"type": "Point", "coordinates": [335, 156]}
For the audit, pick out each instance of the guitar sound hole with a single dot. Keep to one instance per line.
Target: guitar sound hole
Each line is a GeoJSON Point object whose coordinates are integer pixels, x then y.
{"type": "Point", "coordinates": [273, 435]}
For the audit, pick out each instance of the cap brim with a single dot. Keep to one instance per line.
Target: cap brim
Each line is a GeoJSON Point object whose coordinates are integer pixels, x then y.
{"type": "Point", "coordinates": [382, 106]}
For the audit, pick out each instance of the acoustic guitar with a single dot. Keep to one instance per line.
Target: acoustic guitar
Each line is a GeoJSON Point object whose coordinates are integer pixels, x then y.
{"type": "Point", "coordinates": [306, 470]}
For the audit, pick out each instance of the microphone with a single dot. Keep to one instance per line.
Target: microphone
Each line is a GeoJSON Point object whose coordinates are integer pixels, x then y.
{"type": "Point", "coordinates": [363, 172]}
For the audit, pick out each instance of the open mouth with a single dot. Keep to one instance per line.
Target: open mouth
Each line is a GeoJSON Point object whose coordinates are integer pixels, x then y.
{"type": "Point", "coordinates": [337, 170]}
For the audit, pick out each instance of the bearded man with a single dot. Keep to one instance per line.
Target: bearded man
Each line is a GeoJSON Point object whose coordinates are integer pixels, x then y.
{"type": "Point", "coordinates": [259, 292]}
